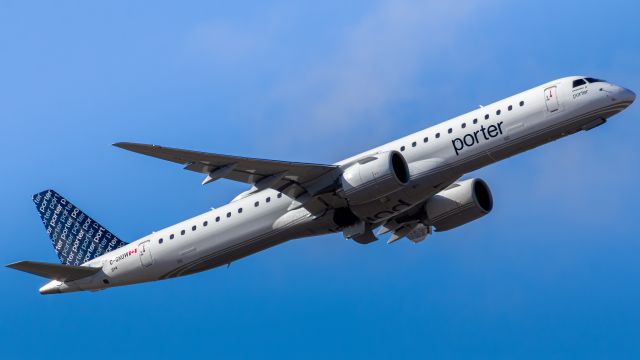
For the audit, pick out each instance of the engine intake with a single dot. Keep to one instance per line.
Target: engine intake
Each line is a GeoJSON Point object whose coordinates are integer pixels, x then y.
{"type": "Point", "coordinates": [459, 204]}
{"type": "Point", "coordinates": [374, 177]}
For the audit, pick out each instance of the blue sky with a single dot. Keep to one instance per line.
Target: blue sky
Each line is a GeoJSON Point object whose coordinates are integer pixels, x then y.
{"type": "Point", "coordinates": [551, 273]}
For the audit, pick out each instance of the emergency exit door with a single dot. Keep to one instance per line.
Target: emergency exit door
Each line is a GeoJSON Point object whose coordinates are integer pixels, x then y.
{"type": "Point", "coordinates": [145, 254]}
{"type": "Point", "coordinates": [551, 99]}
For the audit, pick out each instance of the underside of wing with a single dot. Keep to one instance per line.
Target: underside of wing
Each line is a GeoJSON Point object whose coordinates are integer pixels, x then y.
{"type": "Point", "coordinates": [258, 172]}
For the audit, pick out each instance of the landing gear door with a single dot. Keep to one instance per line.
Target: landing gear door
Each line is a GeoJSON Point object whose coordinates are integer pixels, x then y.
{"type": "Point", "coordinates": [145, 253]}
{"type": "Point", "coordinates": [551, 99]}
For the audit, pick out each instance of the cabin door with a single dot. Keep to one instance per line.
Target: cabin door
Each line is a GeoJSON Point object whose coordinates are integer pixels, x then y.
{"type": "Point", "coordinates": [551, 99]}
{"type": "Point", "coordinates": [145, 254]}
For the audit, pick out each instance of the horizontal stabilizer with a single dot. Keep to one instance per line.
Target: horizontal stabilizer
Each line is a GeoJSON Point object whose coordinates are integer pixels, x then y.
{"type": "Point", "coordinates": [54, 271]}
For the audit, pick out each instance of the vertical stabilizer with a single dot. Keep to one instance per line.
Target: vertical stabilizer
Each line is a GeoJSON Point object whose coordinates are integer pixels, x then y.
{"type": "Point", "coordinates": [75, 236]}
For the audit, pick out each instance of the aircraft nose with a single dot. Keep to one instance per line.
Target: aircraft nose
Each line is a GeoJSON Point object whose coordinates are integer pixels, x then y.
{"type": "Point", "coordinates": [624, 95]}
{"type": "Point", "coordinates": [629, 95]}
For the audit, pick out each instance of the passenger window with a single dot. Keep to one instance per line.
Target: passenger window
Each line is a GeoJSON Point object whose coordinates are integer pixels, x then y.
{"type": "Point", "coordinates": [256, 203]}
{"type": "Point", "coordinates": [450, 130]}
{"type": "Point", "coordinates": [217, 218]}
{"type": "Point", "coordinates": [228, 214]}
{"type": "Point", "coordinates": [413, 144]}
{"type": "Point", "coordinates": [171, 237]}
{"type": "Point", "coordinates": [464, 125]}
{"type": "Point", "coordinates": [279, 195]}
{"type": "Point", "coordinates": [193, 228]}
{"type": "Point", "coordinates": [475, 121]}
{"type": "Point", "coordinates": [510, 107]}
{"type": "Point", "coordinates": [160, 241]}
{"type": "Point", "coordinates": [486, 117]}
{"type": "Point", "coordinates": [437, 135]}
{"type": "Point", "coordinates": [268, 199]}
{"type": "Point", "coordinates": [402, 148]}
{"type": "Point", "coordinates": [578, 82]}
{"type": "Point", "coordinates": [498, 112]}
{"type": "Point", "coordinates": [182, 232]}
{"type": "Point", "coordinates": [425, 139]}
{"type": "Point", "coordinates": [240, 211]}
{"type": "Point", "coordinates": [205, 223]}
{"type": "Point", "coordinates": [521, 103]}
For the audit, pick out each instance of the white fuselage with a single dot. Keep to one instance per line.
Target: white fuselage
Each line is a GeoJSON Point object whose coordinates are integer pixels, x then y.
{"type": "Point", "coordinates": [436, 157]}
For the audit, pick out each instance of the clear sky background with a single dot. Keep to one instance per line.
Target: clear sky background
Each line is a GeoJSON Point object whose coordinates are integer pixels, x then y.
{"type": "Point", "coordinates": [553, 272]}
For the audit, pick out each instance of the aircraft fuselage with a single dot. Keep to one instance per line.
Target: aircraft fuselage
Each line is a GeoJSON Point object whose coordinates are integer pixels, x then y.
{"type": "Point", "coordinates": [436, 157]}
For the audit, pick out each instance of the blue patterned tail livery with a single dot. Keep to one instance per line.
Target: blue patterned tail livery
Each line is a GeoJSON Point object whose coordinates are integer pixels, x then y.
{"type": "Point", "coordinates": [76, 237]}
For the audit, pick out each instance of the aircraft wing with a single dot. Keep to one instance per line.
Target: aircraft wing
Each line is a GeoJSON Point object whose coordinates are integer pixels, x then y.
{"type": "Point", "coordinates": [258, 172]}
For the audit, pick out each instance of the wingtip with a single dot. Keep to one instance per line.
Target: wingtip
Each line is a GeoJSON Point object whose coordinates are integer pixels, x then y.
{"type": "Point", "coordinates": [121, 144]}
{"type": "Point", "coordinates": [15, 265]}
{"type": "Point", "coordinates": [129, 146]}
{"type": "Point", "coordinates": [134, 146]}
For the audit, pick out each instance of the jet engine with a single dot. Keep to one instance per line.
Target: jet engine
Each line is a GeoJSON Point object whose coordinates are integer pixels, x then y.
{"type": "Point", "coordinates": [374, 177]}
{"type": "Point", "coordinates": [459, 204]}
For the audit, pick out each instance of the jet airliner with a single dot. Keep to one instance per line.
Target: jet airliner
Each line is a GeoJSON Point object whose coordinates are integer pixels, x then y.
{"type": "Point", "coordinates": [407, 188]}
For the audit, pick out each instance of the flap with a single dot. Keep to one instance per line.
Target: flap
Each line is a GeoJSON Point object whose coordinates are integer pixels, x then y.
{"type": "Point", "coordinates": [54, 271]}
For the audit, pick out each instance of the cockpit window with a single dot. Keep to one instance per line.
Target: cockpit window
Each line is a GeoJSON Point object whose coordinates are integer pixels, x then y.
{"type": "Point", "coordinates": [578, 82]}
{"type": "Point", "coordinates": [593, 80]}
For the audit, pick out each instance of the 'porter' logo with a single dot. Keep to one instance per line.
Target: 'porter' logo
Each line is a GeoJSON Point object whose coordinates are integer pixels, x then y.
{"type": "Point", "coordinates": [472, 139]}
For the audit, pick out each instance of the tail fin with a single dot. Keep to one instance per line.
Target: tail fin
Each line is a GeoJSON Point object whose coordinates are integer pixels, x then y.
{"type": "Point", "coordinates": [75, 236]}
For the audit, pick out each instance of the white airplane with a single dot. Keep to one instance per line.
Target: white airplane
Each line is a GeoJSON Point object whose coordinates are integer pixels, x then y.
{"type": "Point", "coordinates": [407, 188]}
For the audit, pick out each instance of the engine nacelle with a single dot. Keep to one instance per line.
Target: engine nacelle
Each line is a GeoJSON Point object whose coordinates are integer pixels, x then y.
{"type": "Point", "coordinates": [374, 177]}
{"type": "Point", "coordinates": [459, 204]}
